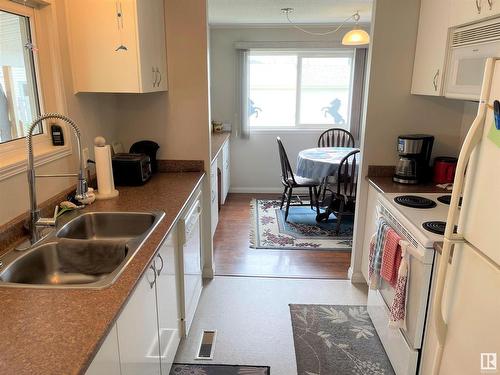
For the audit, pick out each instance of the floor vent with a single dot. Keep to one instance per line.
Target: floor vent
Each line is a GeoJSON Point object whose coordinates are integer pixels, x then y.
{"type": "Point", "coordinates": [207, 345]}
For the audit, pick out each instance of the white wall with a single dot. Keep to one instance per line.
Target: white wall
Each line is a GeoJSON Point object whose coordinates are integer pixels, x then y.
{"type": "Point", "coordinates": [391, 109]}
{"type": "Point", "coordinates": [254, 162]}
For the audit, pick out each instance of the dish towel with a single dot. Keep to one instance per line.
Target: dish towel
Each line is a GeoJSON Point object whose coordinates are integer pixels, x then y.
{"type": "Point", "coordinates": [391, 257]}
{"type": "Point", "coordinates": [376, 258]}
{"type": "Point", "coordinates": [397, 318]}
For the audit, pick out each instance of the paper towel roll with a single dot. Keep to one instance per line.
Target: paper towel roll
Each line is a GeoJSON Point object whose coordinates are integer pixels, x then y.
{"type": "Point", "coordinates": [104, 169]}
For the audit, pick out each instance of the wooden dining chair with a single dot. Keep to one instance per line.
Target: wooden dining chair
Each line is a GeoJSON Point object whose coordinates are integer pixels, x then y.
{"type": "Point", "coordinates": [291, 181]}
{"type": "Point", "coordinates": [336, 137]}
{"type": "Point", "coordinates": [344, 196]}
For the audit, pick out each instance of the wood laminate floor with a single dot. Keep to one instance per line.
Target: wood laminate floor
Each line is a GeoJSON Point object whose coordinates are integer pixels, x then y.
{"type": "Point", "coordinates": [234, 257]}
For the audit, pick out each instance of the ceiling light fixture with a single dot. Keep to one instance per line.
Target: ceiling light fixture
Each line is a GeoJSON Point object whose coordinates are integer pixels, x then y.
{"type": "Point", "coordinates": [355, 37]}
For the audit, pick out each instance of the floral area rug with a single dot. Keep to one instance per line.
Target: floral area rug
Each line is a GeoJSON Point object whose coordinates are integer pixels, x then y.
{"type": "Point", "coordinates": [301, 232]}
{"type": "Point", "coordinates": [337, 340]}
{"type": "Point", "coordinates": [186, 369]}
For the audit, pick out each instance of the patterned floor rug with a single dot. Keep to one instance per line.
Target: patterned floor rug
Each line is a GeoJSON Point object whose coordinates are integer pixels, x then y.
{"type": "Point", "coordinates": [186, 369]}
{"type": "Point", "coordinates": [301, 232]}
{"type": "Point", "coordinates": [337, 340]}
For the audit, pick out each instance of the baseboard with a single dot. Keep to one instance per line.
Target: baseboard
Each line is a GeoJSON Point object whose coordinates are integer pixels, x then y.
{"type": "Point", "coordinates": [356, 277]}
{"type": "Point", "coordinates": [256, 190]}
{"type": "Point", "coordinates": [208, 272]}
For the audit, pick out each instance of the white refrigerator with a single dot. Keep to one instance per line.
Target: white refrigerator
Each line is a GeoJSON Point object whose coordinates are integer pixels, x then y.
{"type": "Point", "coordinates": [463, 334]}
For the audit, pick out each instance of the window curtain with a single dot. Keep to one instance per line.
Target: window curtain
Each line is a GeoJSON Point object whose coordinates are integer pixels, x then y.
{"type": "Point", "coordinates": [242, 125]}
{"type": "Point", "coordinates": [357, 92]}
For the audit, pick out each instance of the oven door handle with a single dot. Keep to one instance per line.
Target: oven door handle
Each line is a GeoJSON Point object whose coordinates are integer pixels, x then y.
{"type": "Point", "coordinates": [418, 254]}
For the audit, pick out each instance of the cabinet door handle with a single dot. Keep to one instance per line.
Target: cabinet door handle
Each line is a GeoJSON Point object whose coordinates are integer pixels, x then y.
{"type": "Point", "coordinates": [152, 283]}
{"type": "Point", "coordinates": [154, 76]}
{"type": "Point", "coordinates": [119, 14]}
{"type": "Point", "coordinates": [158, 271]}
{"type": "Point", "coordinates": [159, 77]}
{"type": "Point", "coordinates": [478, 6]}
{"type": "Point", "coordinates": [490, 3]}
{"type": "Point", "coordinates": [435, 80]}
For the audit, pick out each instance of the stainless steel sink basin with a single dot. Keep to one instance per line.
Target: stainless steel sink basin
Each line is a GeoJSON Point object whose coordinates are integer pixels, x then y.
{"type": "Point", "coordinates": [107, 225]}
{"type": "Point", "coordinates": [89, 251]}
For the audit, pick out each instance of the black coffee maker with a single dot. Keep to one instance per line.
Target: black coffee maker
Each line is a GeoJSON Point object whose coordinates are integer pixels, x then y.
{"type": "Point", "coordinates": [414, 157]}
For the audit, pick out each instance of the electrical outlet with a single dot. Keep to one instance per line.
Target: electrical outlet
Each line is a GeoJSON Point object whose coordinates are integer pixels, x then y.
{"type": "Point", "coordinates": [85, 156]}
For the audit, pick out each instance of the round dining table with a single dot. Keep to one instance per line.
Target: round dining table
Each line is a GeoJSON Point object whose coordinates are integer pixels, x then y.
{"type": "Point", "coordinates": [320, 163]}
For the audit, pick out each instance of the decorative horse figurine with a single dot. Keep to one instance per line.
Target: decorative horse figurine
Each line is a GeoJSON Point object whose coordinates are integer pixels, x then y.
{"type": "Point", "coordinates": [333, 110]}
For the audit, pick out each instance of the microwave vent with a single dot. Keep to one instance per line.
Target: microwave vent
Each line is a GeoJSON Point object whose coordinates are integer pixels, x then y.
{"type": "Point", "coordinates": [479, 33]}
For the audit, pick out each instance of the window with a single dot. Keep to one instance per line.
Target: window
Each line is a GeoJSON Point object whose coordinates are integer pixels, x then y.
{"type": "Point", "coordinates": [19, 103]}
{"type": "Point", "coordinates": [300, 89]}
{"type": "Point", "coordinates": [31, 82]}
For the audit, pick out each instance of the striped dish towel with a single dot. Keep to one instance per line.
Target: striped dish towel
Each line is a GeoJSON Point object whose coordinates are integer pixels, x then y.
{"type": "Point", "coordinates": [376, 258]}
{"type": "Point", "coordinates": [391, 257]}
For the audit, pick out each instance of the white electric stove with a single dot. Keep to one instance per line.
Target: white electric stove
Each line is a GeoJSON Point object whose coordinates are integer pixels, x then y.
{"type": "Point", "coordinates": [403, 345]}
{"type": "Point", "coordinates": [413, 218]}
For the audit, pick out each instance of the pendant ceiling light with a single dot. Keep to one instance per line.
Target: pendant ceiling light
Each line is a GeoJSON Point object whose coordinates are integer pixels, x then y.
{"type": "Point", "coordinates": [355, 37]}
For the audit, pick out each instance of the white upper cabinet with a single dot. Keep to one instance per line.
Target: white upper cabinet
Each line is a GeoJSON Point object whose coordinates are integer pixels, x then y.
{"type": "Point", "coordinates": [117, 46]}
{"type": "Point", "coordinates": [430, 53]}
{"type": "Point", "coordinates": [466, 11]}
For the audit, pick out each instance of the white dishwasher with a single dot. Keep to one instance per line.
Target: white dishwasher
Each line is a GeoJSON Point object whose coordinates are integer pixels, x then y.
{"type": "Point", "coordinates": [191, 267]}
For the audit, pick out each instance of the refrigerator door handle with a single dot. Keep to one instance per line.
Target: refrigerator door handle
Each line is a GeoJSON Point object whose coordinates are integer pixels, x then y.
{"type": "Point", "coordinates": [472, 139]}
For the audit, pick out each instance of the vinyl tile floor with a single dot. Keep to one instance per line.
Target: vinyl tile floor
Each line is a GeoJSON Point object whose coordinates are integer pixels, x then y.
{"type": "Point", "coordinates": [252, 318]}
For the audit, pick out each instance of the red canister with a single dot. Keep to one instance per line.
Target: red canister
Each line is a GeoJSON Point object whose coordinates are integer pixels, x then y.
{"type": "Point", "coordinates": [444, 169]}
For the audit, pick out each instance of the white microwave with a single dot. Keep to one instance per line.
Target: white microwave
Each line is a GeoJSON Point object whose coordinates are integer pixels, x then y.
{"type": "Point", "coordinates": [469, 48]}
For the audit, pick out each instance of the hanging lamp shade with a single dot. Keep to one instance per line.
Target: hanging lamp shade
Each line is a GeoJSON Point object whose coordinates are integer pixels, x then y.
{"type": "Point", "coordinates": [356, 37]}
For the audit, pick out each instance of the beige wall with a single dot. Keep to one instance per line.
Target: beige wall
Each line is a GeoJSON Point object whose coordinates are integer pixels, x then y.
{"type": "Point", "coordinates": [391, 109]}
{"type": "Point", "coordinates": [95, 115]}
{"type": "Point", "coordinates": [176, 120]}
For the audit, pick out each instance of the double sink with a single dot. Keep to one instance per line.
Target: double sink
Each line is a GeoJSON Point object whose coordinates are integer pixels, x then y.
{"type": "Point", "coordinates": [90, 251]}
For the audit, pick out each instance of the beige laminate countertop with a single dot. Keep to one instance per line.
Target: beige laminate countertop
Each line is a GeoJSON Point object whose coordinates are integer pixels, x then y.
{"type": "Point", "coordinates": [58, 331]}
{"type": "Point", "coordinates": [386, 185]}
{"type": "Point", "coordinates": [218, 140]}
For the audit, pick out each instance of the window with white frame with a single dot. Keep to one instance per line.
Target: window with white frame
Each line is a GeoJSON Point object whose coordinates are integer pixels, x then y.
{"type": "Point", "coordinates": [300, 89]}
{"type": "Point", "coordinates": [19, 103]}
{"type": "Point", "coordinates": [31, 82]}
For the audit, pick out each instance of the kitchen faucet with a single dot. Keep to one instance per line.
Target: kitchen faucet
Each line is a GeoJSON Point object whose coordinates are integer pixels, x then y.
{"type": "Point", "coordinates": [35, 221]}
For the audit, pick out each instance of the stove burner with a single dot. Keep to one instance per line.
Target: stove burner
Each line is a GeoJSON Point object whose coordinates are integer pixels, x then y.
{"type": "Point", "coordinates": [446, 199]}
{"type": "Point", "coordinates": [415, 201]}
{"type": "Point", "coordinates": [436, 227]}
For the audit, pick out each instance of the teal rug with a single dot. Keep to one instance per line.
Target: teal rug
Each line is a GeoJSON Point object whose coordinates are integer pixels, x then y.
{"type": "Point", "coordinates": [300, 232]}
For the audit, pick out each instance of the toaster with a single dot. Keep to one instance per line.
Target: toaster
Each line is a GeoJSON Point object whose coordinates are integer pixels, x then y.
{"type": "Point", "coordinates": [131, 169]}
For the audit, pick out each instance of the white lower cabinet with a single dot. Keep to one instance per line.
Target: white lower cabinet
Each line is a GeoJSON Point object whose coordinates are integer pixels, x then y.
{"type": "Point", "coordinates": [138, 329]}
{"type": "Point", "coordinates": [167, 299]}
{"type": "Point", "coordinates": [214, 191]}
{"type": "Point", "coordinates": [147, 333]}
{"type": "Point", "coordinates": [148, 327]}
{"type": "Point", "coordinates": [107, 359]}
{"type": "Point", "coordinates": [226, 177]}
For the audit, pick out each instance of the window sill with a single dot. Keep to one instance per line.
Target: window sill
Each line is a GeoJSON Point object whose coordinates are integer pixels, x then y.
{"type": "Point", "coordinates": [287, 130]}
{"type": "Point", "coordinates": [14, 164]}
